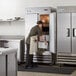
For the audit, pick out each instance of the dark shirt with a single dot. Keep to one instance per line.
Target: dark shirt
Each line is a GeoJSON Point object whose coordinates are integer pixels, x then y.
{"type": "Point", "coordinates": [33, 32]}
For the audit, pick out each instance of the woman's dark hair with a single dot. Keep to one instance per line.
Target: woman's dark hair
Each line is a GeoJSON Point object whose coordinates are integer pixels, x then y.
{"type": "Point", "coordinates": [39, 22]}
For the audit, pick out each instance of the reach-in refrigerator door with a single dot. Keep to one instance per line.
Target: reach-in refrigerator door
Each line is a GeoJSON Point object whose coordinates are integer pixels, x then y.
{"type": "Point", "coordinates": [64, 33]}
{"type": "Point", "coordinates": [74, 34]}
{"type": "Point", "coordinates": [52, 32]}
{"type": "Point", "coordinates": [30, 21]}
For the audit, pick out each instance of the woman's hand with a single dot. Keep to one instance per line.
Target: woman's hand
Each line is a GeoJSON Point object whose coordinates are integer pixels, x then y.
{"type": "Point", "coordinates": [42, 38]}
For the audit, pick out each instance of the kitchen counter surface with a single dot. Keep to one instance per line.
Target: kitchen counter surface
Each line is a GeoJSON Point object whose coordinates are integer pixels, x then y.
{"type": "Point", "coordinates": [4, 51]}
{"type": "Point", "coordinates": [11, 37]}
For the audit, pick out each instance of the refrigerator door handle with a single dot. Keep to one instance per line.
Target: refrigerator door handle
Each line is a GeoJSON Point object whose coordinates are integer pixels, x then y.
{"type": "Point", "coordinates": [74, 32]}
{"type": "Point", "coordinates": [68, 32]}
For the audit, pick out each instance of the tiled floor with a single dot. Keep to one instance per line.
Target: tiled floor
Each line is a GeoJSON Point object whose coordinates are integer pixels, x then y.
{"type": "Point", "coordinates": [43, 74]}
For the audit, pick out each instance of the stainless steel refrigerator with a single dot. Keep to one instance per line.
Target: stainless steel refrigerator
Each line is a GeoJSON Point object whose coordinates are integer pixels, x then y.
{"type": "Point", "coordinates": [66, 34]}
{"type": "Point", "coordinates": [47, 14]}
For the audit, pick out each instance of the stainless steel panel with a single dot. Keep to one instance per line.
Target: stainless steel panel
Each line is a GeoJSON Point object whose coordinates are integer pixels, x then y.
{"type": "Point", "coordinates": [73, 33]}
{"type": "Point", "coordinates": [66, 59]}
{"type": "Point", "coordinates": [66, 9]}
{"type": "Point", "coordinates": [12, 65]}
{"type": "Point", "coordinates": [40, 10]}
{"type": "Point", "coordinates": [2, 66]}
{"type": "Point", "coordinates": [30, 21]}
{"type": "Point", "coordinates": [63, 33]}
{"type": "Point", "coordinates": [52, 33]}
